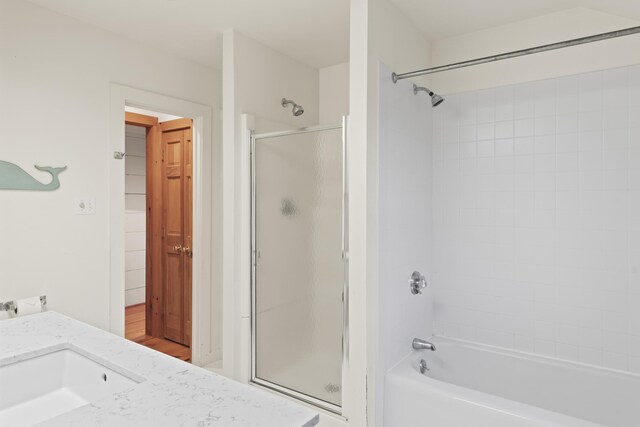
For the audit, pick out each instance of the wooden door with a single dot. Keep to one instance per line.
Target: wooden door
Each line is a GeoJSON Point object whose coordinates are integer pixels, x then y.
{"type": "Point", "coordinates": [177, 229]}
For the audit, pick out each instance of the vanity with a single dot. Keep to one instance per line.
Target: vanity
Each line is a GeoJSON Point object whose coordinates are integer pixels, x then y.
{"type": "Point", "coordinates": [57, 371]}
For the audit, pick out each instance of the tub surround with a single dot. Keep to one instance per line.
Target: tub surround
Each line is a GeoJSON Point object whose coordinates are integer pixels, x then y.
{"type": "Point", "coordinates": [170, 393]}
{"type": "Point", "coordinates": [487, 386]}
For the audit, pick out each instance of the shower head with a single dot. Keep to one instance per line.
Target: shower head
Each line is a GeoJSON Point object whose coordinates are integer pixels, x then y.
{"type": "Point", "coordinates": [435, 98]}
{"type": "Point", "coordinates": [297, 110]}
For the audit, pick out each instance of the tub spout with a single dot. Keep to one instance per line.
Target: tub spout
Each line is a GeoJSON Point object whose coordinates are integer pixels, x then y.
{"type": "Point", "coordinates": [419, 344]}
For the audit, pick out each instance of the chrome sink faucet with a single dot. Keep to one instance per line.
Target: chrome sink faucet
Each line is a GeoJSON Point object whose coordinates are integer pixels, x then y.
{"type": "Point", "coordinates": [419, 344]}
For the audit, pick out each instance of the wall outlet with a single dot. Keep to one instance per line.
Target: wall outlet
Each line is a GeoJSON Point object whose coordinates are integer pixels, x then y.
{"type": "Point", "coordinates": [84, 206]}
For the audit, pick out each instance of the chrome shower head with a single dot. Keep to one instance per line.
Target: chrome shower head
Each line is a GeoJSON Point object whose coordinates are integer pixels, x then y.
{"type": "Point", "coordinates": [297, 110]}
{"type": "Point", "coordinates": [435, 98]}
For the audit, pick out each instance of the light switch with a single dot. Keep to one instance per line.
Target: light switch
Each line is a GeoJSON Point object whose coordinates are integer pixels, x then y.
{"type": "Point", "coordinates": [85, 206]}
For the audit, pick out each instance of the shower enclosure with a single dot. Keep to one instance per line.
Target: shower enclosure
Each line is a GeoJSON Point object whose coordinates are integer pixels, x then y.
{"type": "Point", "coordinates": [299, 261]}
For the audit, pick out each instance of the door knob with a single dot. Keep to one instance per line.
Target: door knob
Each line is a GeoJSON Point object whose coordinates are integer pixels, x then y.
{"type": "Point", "coordinates": [177, 248]}
{"type": "Point", "coordinates": [187, 250]}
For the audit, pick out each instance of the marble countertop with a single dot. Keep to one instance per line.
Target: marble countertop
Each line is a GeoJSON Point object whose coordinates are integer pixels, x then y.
{"type": "Point", "coordinates": [173, 393]}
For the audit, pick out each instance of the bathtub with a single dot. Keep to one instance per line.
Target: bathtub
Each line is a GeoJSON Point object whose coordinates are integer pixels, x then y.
{"type": "Point", "coordinates": [474, 385]}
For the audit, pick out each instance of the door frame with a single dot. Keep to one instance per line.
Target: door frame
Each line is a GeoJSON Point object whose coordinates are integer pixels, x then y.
{"type": "Point", "coordinates": [206, 219]}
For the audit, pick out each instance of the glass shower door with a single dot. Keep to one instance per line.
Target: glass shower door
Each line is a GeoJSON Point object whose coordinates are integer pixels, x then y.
{"type": "Point", "coordinates": [298, 265]}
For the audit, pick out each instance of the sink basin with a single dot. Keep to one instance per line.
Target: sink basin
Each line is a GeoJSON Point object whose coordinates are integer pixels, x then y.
{"type": "Point", "coordinates": [42, 387]}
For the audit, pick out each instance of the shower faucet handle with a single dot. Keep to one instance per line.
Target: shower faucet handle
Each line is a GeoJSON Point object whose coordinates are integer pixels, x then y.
{"type": "Point", "coordinates": [417, 283]}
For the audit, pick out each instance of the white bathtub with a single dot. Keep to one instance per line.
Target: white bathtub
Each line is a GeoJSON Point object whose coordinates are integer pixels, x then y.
{"type": "Point", "coordinates": [472, 385]}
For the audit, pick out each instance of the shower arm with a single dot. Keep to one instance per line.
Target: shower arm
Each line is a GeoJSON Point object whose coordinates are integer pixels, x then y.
{"type": "Point", "coordinates": [417, 88]}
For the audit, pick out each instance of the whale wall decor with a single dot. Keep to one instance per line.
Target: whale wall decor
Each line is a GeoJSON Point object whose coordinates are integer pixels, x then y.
{"type": "Point", "coordinates": [13, 177]}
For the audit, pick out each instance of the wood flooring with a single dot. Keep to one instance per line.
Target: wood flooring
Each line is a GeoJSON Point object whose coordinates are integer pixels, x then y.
{"type": "Point", "coordinates": [135, 331]}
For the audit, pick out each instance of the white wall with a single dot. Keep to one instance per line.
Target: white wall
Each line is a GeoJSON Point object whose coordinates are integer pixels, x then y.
{"type": "Point", "coordinates": [135, 199]}
{"type": "Point", "coordinates": [404, 221]}
{"type": "Point", "coordinates": [334, 93]}
{"type": "Point", "coordinates": [255, 79]}
{"type": "Point", "coordinates": [264, 76]}
{"type": "Point", "coordinates": [537, 212]}
{"type": "Point", "coordinates": [565, 25]}
{"type": "Point", "coordinates": [54, 109]}
{"type": "Point", "coordinates": [377, 30]}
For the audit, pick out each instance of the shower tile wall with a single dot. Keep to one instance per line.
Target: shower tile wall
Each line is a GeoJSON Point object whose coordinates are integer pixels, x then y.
{"type": "Point", "coordinates": [537, 217]}
{"type": "Point", "coordinates": [404, 232]}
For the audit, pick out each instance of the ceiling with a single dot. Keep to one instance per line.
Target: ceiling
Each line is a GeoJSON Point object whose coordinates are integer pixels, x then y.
{"type": "Point", "coordinates": [440, 19]}
{"type": "Point", "coordinates": [315, 32]}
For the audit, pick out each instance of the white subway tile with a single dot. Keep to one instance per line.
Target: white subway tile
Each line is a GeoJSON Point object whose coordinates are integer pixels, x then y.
{"type": "Point", "coordinates": [633, 75]}
{"type": "Point", "coordinates": [467, 133]}
{"type": "Point", "coordinates": [567, 143]}
{"type": "Point", "coordinates": [567, 123]}
{"type": "Point", "coordinates": [616, 97]}
{"type": "Point", "coordinates": [591, 356]}
{"type": "Point", "coordinates": [524, 127]}
{"type": "Point", "coordinates": [568, 351]}
{"type": "Point", "coordinates": [545, 348]}
{"type": "Point", "coordinates": [616, 118]}
{"type": "Point", "coordinates": [523, 146]}
{"type": "Point", "coordinates": [633, 93]}
{"type": "Point", "coordinates": [485, 131]}
{"type": "Point", "coordinates": [545, 162]}
{"type": "Point", "coordinates": [616, 159]}
{"type": "Point", "coordinates": [567, 103]}
{"type": "Point", "coordinates": [486, 114]}
{"type": "Point", "coordinates": [616, 139]}
{"type": "Point", "coordinates": [616, 361]}
{"type": "Point", "coordinates": [634, 345]}
{"type": "Point", "coordinates": [567, 162]}
{"type": "Point", "coordinates": [504, 129]}
{"type": "Point", "coordinates": [542, 207]}
{"type": "Point", "coordinates": [504, 112]}
{"type": "Point", "coordinates": [525, 343]}
{"type": "Point", "coordinates": [634, 364]}
{"type": "Point", "coordinates": [590, 121]}
{"type": "Point", "coordinates": [615, 179]}
{"type": "Point", "coordinates": [486, 148]}
{"type": "Point", "coordinates": [634, 155]}
{"type": "Point", "coordinates": [545, 125]}
{"type": "Point", "coordinates": [590, 160]}
{"type": "Point", "coordinates": [634, 116]}
{"type": "Point", "coordinates": [545, 144]}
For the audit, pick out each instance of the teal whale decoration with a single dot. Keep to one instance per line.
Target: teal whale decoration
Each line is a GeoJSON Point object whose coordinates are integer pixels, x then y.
{"type": "Point", "coordinates": [13, 177]}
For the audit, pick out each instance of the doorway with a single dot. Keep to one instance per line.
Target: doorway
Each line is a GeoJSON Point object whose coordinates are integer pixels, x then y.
{"type": "Point", "coordinates": [159, 231]}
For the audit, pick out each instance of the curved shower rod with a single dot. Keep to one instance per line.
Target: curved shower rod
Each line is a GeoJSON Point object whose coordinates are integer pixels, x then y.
{"type": "Point", "coordinates": [516, 53]}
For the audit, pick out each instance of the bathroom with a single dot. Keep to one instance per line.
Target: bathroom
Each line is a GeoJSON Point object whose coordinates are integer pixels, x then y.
{"type": "Point", "coordinates": [516, 200]}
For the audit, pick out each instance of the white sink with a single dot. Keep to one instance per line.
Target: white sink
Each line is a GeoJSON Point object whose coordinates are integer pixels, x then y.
{"type": "Point", "coordinates": [40, 388]}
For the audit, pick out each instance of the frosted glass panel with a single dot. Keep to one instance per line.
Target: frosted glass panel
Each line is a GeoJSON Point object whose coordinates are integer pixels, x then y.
{"type": "Point", "coordinates": [299, 275]}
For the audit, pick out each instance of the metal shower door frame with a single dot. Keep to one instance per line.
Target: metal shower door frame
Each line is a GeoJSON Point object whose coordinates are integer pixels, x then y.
{"type": "Point", "coordinates": [339, 410]}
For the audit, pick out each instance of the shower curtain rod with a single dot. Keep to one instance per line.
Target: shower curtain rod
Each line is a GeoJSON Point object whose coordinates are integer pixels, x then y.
{"type": "Point", "coordinates": [516, 53]}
